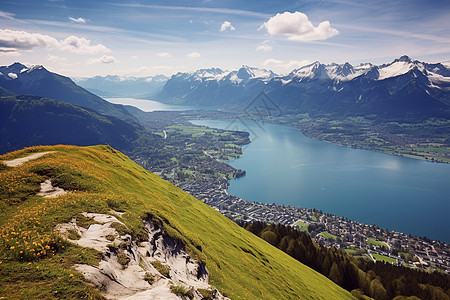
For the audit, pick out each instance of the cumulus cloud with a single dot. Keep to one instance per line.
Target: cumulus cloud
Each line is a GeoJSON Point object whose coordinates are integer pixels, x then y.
{"type": "Point", "coordinates": [297, 27]}
{"type": "Point", "coordinates": [265, 46]}
{"type": "Point", "coordinates": [105, 59]}
{"type": "Point", "coordinates": [194, 55]}
{"type": "Point", "coordinates": [77, 20]}
{"type": "Point", "coordinates": [82, 45]}
{"type": "Point", "coordinates": [163, 54]}
{"type": "Point", "coordinates": [225, 26]}
{"type": "Point", "coordinates": [11, 40]}
{"type": "Point", "coordinates": [25, 41]}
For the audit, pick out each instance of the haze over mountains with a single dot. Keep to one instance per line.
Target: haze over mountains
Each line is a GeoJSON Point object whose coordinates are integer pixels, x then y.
{"type": "Point", "coordinates": [403, 89]}
{"type": "Point", "coordinates": [121, 86]}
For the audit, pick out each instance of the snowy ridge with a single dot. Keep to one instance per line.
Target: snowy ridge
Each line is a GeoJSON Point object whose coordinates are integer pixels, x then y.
{"type": "Point", "coordinates": [240, 76]}
{"type": "Point", "coordinates": [347, 72]}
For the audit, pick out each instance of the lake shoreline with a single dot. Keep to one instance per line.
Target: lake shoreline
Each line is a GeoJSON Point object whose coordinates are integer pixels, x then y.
{"type": "Point", "coordinates": [364, 159]}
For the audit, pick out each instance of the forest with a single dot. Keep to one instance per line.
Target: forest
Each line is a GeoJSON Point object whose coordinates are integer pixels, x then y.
{"type": "Point", "coordinates": [363, 278]}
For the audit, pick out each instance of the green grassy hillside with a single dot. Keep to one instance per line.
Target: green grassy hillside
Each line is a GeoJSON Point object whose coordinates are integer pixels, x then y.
{"type": "Point", "coordinates": [36, 263]}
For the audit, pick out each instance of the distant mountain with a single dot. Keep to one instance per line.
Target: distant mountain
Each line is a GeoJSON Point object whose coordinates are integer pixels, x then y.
{"type": "Point", "coordinates": [40, 82]}
{"type": "Point", "coordinates": [403, 89]}
{"type": "Point", "coordinates": [121, 86]}
{"type": "Point", "coordinates": [215, 87]}
{"type": "Point", "coordinates": [30, 120]}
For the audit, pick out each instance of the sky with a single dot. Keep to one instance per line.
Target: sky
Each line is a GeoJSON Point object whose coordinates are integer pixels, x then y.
{"type": "Point", "coordinates": [85, 38]}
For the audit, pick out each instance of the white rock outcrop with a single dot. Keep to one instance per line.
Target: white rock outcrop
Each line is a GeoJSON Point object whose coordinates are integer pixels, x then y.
{"type": "Point", "coordinates": [50, 191]}
{"type": "Point", "coordinates": [126, 263]}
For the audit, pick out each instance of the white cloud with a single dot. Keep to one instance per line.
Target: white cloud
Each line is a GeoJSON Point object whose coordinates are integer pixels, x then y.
{"type": "Point", "coordinates": [297, 27]}
{"type": "Point", "coordinates": [194, 55]}
{"type": "Point", "coordinates": [9, 51]}
{"type": "Point", "coordinates": [285, 67]}
{"type": "Point", "coordinates": [265, 46]}
{"type": "Point", "coordinates": [105, 59]}
{"type": "Point", "coordinates": [135, 57]}
{"type": "Point", "coordinates": [82, 45]}
{"type": "Point", "coordinates": [226, 25]}
{"type": "Point", "coordinates": [6, 15]}
{"type": "Point", "coordinates": [25, 41]}
{"type": "Point", "coordinates": [272, 61]}
{"type": "Point", "coordinates": [163, 54]}
{"type": "Point", "coordinates": [12, 41]}
{"type": "Point", "coordinates": [78, 20]}
{"type": "Point", "coordinates": [295, 64]}
{"type": "Point", "coordinates": [54, 58]}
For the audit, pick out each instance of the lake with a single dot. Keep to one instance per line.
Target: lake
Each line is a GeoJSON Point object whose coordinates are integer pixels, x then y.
{"type": "Point", "coordinates": [148, 105]}
{"type": "Point", "coordinates": [285, 167]}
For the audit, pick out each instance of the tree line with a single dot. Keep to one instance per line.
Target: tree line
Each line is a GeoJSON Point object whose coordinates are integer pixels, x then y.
{"type": "Point", "coordinates": [363, 278]}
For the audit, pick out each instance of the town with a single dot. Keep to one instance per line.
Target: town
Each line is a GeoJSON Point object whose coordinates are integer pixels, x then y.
{"type": "Point", "coordinates": [362, 240]}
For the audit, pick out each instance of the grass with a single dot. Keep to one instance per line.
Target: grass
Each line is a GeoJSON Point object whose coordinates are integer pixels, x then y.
{"type": "Point", "coordinates": [304, 227]}
{"type": "Point", "coordinates": [73, 234]}
{"type": "Point", "coordinates": [206, 294]}
{"type": "Point", "coordinates": [377, 243]}
{"type": "Point", "coordinates": [149, 278]}
{"type": "Point", "coordinates": [122, 258]}
{"type": "Point", "coordinates": [181, 291]}
{"type": "Point", "coordinates": [240, 264]}
{"type": "Point", "coordinates": [162, 269]}
{"type": "Point", "coordinates": [387, 259]}
{"type": "Point", "coordinates": [299, 223]}
{"type": "Point", "coordinates": [350, 251]}
{"type": "Point", "coordinates": [85, 222]}
{"type": "Point", "coordinates": [328, 235]}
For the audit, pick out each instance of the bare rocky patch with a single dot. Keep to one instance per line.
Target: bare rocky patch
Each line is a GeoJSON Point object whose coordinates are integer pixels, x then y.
{"type": "Point", "coordinates": [50, 191]}
{"type": "Point", "coordinates": [129, 269]}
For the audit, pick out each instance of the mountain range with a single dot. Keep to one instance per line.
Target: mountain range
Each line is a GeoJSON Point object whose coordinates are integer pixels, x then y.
{"type": "Point", "coordinates": [38, 81]}
{"type": "Point", "coordinates": [404, 89]}
{"type": "Point", "coordinates": [121, 86]}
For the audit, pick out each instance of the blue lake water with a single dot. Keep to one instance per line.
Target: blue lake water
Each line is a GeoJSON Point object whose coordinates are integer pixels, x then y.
{"type": "Point", "coordinates": [285, 167]}
{"type": "Point", "coordinates": [148, 105]}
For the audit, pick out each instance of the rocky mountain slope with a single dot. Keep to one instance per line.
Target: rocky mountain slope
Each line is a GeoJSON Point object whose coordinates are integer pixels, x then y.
{"type": "Point", "coordinates": [129, 234]}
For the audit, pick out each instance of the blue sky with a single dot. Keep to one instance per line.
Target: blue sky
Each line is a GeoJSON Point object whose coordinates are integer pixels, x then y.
{"type": "Point", "coordinates": [139, 38]}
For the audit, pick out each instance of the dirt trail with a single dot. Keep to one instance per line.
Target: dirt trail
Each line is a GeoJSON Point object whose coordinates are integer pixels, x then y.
{"type": "Point", "coordinates": [18, 161]}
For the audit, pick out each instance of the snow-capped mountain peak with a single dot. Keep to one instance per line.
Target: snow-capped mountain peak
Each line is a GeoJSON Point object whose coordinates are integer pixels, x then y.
{"type": "Point", "coordinates": [399, 67]}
